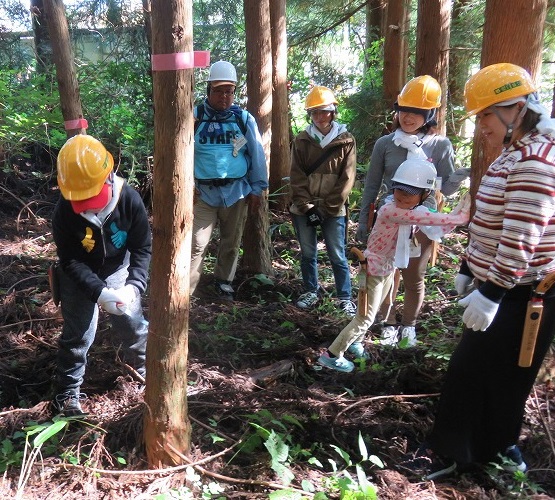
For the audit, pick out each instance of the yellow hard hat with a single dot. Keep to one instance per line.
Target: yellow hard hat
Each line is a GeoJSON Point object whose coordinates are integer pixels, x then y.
{"type": "Point", "coordinates": [422, 92]}
{"type": "Point", "coordinates": [84, 164]}
{"type": "Point", "coordinates": [319, 96]}
{"type": "Point", "coordinates": [495, 84]}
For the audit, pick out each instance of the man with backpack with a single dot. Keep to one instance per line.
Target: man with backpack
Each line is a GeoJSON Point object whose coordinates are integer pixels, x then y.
{"type": "Point", "coordinates": [230, 176]}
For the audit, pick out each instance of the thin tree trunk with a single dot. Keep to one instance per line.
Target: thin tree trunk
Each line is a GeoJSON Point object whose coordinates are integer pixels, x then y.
{"type": "Point", "coordinates": [62, 53]}
{"type": "Point", "coordinates": [43, 47]}
{"type": "Point", "coordinates": [395, 50]}
{"type": "Point", "coordinates": [167, 429]}
{"type": "Point", "coordinates": [432, 47]}
{"type": "Point", "coordinates": [375, 24]}
{"type": "Point", "coordinates": [256, 239]}
{"type": "Point", "coordinates": [147, 17]}
{"type": "Point", "coordinates": [279, 157]}
{"type": "Point", "coordinates": [459, 60]}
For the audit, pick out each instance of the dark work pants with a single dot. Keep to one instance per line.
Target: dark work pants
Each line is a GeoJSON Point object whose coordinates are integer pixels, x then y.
{"type": "Point", "coordinates": [80, 316]}
{"type": "Point", "coordinates": [485, 391]}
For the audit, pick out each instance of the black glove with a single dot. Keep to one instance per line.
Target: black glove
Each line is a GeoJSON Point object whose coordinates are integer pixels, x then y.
{"type": "Point", "coordinates": [314, 217]}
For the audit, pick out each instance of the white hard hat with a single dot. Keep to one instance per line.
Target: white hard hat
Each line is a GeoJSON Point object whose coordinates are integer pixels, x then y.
{"type": "Point", "coordinates": [223, 73]}
{"type": "Point", "coordinates": [415, 172]}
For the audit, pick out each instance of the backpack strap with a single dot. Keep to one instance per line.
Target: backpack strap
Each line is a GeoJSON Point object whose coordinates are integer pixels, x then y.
{"type": "Point", "coordinates": [199, 116]}
{"type": "Point", "coordinates": [240, 120]}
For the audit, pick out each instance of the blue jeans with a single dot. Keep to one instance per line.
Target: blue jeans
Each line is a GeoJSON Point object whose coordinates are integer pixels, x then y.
{"type": "Point", "coordinates": [333, 230]}
{"type": "Point", "coordinates": [80, 316]}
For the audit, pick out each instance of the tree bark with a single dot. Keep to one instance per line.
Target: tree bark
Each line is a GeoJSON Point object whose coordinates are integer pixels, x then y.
{"type": "Point", "coordinates": [432, 47]}
{"type": "Point", "coordinates": [459, 61]}
{"type": "Point", "coordinates": [62, 53]}
{"type": "Point", "coordinates": [147, 17]}
{"type": "Point", "coordinates": [395, 50]}
{"type": "Point", "coordinates": [256, 239]}
{"type": "Point", "coordinates": [279, 157]}
{"type": "Point", "coordinates": [167, 429]}
{"type": "Point", "coordinates": [43, 47]}
{"type": "Point", "coordinates": [375, 24]}
{"type": "Point", "coordinates": [523, 22]}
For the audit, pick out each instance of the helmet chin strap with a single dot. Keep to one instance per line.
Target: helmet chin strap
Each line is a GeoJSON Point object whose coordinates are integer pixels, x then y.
{"type": "Point", "coordinates": [511, 126]}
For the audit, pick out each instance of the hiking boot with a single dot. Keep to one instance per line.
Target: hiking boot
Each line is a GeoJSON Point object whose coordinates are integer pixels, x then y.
{"type": "Point", "coordinates": [408, 333]}
{"type": "Point", "coordinates": [224, 291]}
{"type": "Point", "coordinates": [358, 351]}
{"type": "Point", "coordinates": [340, 364]}
{"type": "Point", "coordinates": [307, 300]}
{"type": "Point", "coordinates": [427, 464]}
{"type": "Point", "coordinates": [67, 404]}
{"type": "Point", "coordinates": [348, 308]}
{"type": "Point", "coordinates": [511, 460]}
{"type": "Point", "coordinates": [390, 335]}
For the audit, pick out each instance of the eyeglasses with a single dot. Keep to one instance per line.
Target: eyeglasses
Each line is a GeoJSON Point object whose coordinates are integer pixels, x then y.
{"type": "Point", "coordinates": [223, 92]}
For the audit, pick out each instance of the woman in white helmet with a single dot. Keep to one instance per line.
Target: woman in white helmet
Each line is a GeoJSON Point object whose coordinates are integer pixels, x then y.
{"type": "Point", "coordinates": [388, 249]}
{"type": "Point", "coordinates": [414, 136]}
{"type": "Point", "coordinates": [511, 249]}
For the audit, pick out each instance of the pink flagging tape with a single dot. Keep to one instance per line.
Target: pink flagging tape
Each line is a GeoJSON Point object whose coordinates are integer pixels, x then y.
{"type": "Point", "coordinates": [75, 124]}
{"type": "Point", "coordinates": [180, 60]}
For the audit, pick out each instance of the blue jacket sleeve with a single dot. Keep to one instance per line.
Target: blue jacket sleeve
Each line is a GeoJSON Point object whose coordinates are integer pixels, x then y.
{"type": "Point", "coordinates": [258, 170]}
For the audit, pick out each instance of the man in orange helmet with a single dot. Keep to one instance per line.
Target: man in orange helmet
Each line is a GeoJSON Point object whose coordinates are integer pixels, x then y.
{"type": "Point", "coordinates": [103, 241]}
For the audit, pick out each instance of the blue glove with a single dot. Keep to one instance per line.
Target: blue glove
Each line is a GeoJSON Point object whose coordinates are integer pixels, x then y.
{"type": "Point", "coordinates": [463, 284]}
{"type": "Point", "coordinates": [479, 312]}
{"type": "Point", "coordinates": [314, 217]}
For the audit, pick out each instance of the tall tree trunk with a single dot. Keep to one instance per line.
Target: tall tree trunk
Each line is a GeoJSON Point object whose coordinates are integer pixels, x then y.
{"type": "Point", "coordinates": [432, 47]}
{"type": "Point", "coordinates": [279, 157]}
{"type": "Point", "coordinates": [459, 61]}
{"type": "Point", "coordinates": [395, 50]}
{"type": "Point", "coordinates": [43, 48]}
{"type": "Point", "coordinates": [375, 24]}
{"type": "Point", "coordinates": [523, 22]}
{"type": "Point", "coordinates": [147, 17]}
{"type": "Point", "coordinates": [65, 69]}
{"type": "Point", "coordinates": [256, 239]}
{"type": "Point", "coordinates": [167, 429]}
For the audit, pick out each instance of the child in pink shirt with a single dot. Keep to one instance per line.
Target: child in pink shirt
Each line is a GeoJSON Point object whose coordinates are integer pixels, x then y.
{"type": "Point", "coordinates": [390, 245]}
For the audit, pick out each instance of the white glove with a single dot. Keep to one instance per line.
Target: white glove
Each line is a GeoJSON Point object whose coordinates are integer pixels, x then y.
{"type": "Point", "coordinates": [480, 311]}
{"type": "Point", "coordinates": [126, 296]}
{"type": "Point", "coordinates": [108, 300]}
{"type": "Point", "coordinates": [463, 284]}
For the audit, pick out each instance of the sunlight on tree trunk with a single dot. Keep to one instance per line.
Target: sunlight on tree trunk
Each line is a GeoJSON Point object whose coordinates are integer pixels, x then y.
{"type": "Point", "coordinates": [432, 47]}
{"type": "Point", "coordinates": [256, 238]}
{"type": "Point", "coordinates": [167, 428]}
{"type": "Point", "coordinates": [62, 54]}
{"type": "Point", "coordinates": [524, 22]}
{"type": "Point", "coordinates": [279, 157]}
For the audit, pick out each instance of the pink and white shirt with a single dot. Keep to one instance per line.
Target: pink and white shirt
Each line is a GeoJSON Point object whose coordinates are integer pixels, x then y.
{"type": "Point", "coordinates": [382, 242]}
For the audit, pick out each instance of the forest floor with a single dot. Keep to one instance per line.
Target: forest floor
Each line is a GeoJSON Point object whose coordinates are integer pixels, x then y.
{"type": "Point", "coordinates": [254, 389]}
